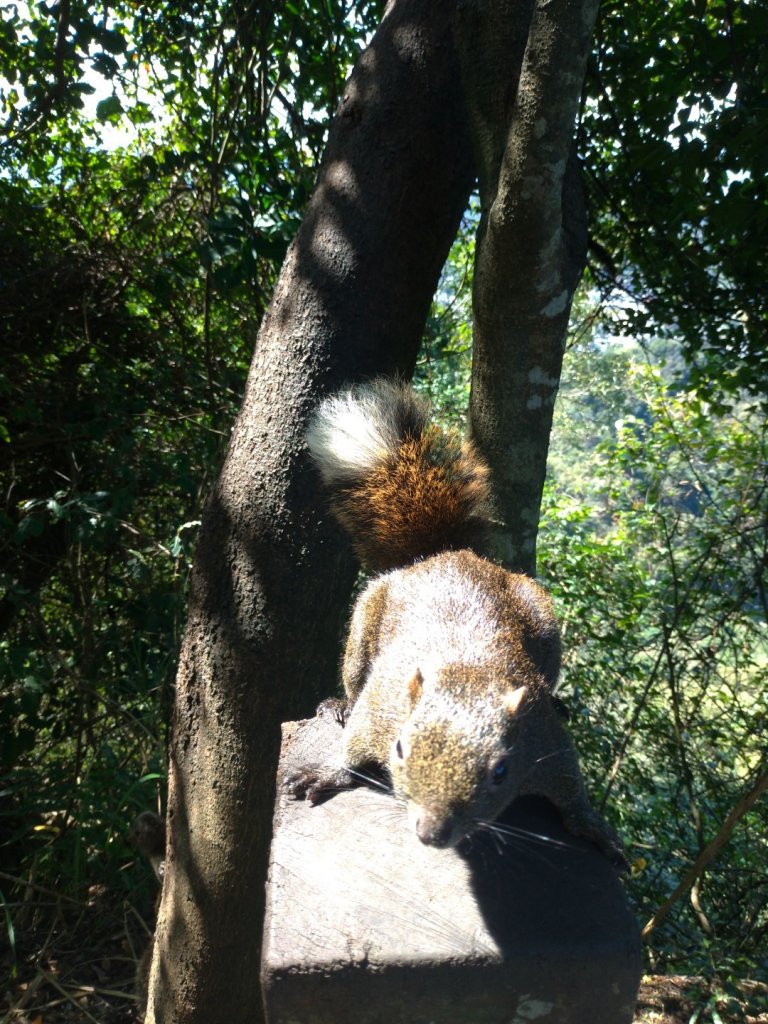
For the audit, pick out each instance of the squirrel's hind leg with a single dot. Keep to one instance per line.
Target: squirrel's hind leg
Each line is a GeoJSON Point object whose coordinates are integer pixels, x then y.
{"type": "Point", "coordinates": [364, 637]}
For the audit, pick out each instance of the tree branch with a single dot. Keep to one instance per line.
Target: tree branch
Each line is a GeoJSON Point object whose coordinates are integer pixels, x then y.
{"type": "Point", "coordinates": [529, 202]}
{"type": "Point", "coordinates": [708, 853]}
{"type": "Point", "coordinates": [531, 242]}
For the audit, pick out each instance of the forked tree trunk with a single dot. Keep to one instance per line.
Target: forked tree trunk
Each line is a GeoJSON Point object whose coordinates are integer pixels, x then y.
{"type": "Point", "coordinates": [272, 577]}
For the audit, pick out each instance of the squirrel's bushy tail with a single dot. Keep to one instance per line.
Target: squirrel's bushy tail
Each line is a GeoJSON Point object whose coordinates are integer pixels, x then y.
{"type": "Point", "coordinates": [403, 488]}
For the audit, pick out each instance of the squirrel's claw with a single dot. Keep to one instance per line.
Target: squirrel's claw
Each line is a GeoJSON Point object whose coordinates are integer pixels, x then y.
{"type": "Point", "coordinates": [611, 845]}
{"type": "Point", "coordinates": [613, 848]}
{"type": "Point", "coordinates": [334, 708]}
{"type": "Point", "coordinates": [300, 783]}
{"type": "Point", "coordinates": [621, 863]}
{"type": "Point", "coordinates": [314, 786]}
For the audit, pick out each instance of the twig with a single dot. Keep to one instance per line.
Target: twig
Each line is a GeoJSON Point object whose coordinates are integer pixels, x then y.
{"type": "Point", "coordinates": [27, 993]}
{"type": "Point", "coordinates": [40, 888]}
{"type": "Point", "coordinates": [96, 990]}
{"type": "Point", "coordinates": [70, 998]}
{"type": "Point", "coordinates": [140, 919]}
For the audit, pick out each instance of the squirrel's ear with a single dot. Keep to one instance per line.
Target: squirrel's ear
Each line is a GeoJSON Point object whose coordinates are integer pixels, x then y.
{"type": "Point", "coordinates": [415, 687]}
{"type": "Point", "coordinates": [514, 698]}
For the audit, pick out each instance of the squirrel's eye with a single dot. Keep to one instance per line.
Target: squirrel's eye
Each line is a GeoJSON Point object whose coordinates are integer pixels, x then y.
{"type": "Point", "coordinates": [499, 771]}
{"type": "Point", "coordinates": [399, 749]}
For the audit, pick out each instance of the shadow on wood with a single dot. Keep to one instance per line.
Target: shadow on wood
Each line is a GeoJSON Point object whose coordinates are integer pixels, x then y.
{"type": "Point", "coordinates": [367, 925]}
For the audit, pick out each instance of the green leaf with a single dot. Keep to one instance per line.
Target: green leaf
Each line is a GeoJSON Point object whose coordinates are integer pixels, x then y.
{"type": "Point", "coordinates": [109, 109]}
{"type": "Point", "coordinates": [112, 40]}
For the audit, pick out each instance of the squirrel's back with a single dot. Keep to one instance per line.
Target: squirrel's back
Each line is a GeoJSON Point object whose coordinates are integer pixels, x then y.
{"type": "Point", "coordinates": [403, 488]}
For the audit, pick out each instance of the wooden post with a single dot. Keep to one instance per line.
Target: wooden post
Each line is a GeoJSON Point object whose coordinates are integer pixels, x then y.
{"type": "Point", "coordinates": [366, 925]}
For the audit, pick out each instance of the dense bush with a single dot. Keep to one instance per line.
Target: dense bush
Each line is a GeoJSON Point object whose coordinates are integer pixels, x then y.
{"type": "Point", "coordinates": [658, 568]}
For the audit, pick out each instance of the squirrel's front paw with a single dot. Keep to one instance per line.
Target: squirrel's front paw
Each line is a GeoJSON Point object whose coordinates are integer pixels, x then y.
{"type": "Point", "coordinates": [302, 784]}
{"type": "Point", "coordinates": [581, 820]}
{"type": "Point", "coordinates": [619, 860]}
{"type": "Point", "coordinates": [313, 785]}
{"type": "Point", "coordinates": [613, 848]}
{"type": "Point", "coordinates": [334, 708]}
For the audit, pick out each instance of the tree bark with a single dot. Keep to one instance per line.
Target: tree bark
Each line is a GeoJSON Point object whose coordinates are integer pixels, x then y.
{"type": "Point", "coordinates": [272, 576]}
{"type": "Point", "coordinates": [531, 241]}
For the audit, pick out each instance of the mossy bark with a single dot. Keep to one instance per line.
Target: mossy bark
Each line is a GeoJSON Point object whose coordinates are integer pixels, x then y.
{"type": "Point", "coordinates": [531, 242]}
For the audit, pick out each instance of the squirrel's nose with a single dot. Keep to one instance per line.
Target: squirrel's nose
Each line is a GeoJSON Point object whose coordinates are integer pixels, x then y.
{"type": "Point", "coordinates": [436, 831]}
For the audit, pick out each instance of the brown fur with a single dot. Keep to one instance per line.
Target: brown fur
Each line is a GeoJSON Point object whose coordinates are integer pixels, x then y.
{"type": "Point", "coordinates": [426, 496]}
{"type": "Point", "coordinates": [451, 661]}
{"type": "Point", "coordinates": [147, 834]}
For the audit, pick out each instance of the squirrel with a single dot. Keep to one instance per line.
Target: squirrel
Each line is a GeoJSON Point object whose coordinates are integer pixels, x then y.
{"type": "Point", "coordinates": [147, 834]}
{"type": "Point", "coordinates": [451, 660]}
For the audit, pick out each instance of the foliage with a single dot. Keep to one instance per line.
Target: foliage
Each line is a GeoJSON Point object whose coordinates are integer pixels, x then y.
{"type": "Point", "coordinates": [674, 141]}
{"type": "Point", "coordinates": [154, 165]}
{"type": "Point", "coordinates": [654, 543]}
{"type": "Point", "coordinates": [660, 580]}
{"type": "Point", "coordinates": [443, 369]}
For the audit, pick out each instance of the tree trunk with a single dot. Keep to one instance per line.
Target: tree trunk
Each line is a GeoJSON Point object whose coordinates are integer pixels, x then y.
{"type": "Point", "coordinates": [531, 242]}
{"type": "Point", "coordinates": [272, 576]}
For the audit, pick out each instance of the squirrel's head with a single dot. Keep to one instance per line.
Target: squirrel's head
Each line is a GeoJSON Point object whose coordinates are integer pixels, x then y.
{"type": "Point", "coordinates": [148, 834]}
{"type": "Point", "coordinates": [454, 761]}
